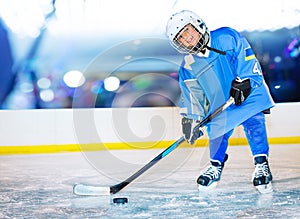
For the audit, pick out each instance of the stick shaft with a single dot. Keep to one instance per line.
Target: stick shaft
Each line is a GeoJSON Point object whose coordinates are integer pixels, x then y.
{"type": "Point", "coordinates": [116, 188]}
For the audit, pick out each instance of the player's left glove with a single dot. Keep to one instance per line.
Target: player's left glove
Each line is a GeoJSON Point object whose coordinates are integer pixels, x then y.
{"type": "Point", "coordinates": [240, 90]}
{"type": "Point", "coordinates": [191, 130]}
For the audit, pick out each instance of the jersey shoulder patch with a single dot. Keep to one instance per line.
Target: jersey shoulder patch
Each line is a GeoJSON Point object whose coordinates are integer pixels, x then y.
{"type": "Point", "coordinates": [188, 60]}
{"type": "Point", "coordinates": [249, 54]}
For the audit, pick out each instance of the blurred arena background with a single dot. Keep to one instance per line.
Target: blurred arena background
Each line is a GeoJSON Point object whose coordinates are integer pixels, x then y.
{"type": "Point", "coordinates": [109, 53]}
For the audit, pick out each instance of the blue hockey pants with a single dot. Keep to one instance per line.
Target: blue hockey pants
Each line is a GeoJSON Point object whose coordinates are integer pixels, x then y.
{"type": "Point", "coordinates": [255, 130]}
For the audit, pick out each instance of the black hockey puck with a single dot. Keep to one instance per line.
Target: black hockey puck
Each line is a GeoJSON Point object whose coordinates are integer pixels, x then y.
{"type": "Point", "coordinates": [120, 200]}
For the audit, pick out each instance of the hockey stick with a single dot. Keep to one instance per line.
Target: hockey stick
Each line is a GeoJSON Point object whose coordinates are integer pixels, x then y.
{"type": "Point", "coordinates": [82, 189]}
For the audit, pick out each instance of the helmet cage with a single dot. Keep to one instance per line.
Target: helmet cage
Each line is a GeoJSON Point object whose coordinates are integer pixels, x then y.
{"type": "Point", "coordinates": [200, 46]}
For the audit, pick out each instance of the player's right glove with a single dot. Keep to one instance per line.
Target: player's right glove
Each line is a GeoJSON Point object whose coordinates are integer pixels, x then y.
{"type": "Point", "coordinates": [240, 90]}
{"type": "Point", "coordinates": [191, 130]}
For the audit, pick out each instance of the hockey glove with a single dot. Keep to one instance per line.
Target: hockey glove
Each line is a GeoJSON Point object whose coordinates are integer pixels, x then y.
{"type": "Point", "coordinates": [191, 130]}
{"type": "Point", "coordinates": [240, 90]}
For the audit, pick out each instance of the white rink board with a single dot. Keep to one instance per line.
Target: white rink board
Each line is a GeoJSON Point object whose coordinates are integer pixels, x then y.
{"type": "Point", "coordinates": [70, 126]}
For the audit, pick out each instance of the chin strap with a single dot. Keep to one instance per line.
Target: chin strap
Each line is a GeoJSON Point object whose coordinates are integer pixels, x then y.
{"type": "Point", "coordinates": [216, 50]}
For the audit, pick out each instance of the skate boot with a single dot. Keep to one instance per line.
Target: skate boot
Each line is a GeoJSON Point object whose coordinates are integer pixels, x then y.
{"type": "Point", "coordinates": [262, 175]}
{"type": "Point", "coordinates": [210, 176]}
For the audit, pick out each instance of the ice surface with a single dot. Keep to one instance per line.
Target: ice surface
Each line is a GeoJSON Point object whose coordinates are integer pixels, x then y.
{"type": "Point", "coordinates": [40, 186]}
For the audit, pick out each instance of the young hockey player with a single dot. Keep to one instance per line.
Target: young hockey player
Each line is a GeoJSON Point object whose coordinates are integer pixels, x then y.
{"type": "Point", "coordinates": [218, 65]}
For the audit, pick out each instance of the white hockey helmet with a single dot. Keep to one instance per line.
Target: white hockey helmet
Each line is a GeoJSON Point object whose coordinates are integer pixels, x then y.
{"type": "Point", "coordinates": [178, 21]}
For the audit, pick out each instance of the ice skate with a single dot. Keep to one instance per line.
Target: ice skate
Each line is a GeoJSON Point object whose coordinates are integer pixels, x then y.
{"type": "Point", "coordinates": [262, 175]}
{"type": "Point", "coordinates": [210, 176]}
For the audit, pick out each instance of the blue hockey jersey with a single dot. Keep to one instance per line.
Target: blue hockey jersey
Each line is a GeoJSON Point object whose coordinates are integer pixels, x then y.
{"type": "Point", "coordinates": [205, 80]}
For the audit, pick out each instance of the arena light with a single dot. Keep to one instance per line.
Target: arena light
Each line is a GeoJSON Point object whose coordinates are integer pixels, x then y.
{"type": "Point", "coordinates": [92, 16]}
{"type": "Point", "coordinates": [259, 15]}
{"type": "Point", "coordinates": [44, 83]}
{"type": "Point", "coordinates": [74, 78]}
{"type": "Point", "coordinates": [111, 83]}
{"type": "Point", "coordinates": [25, 18]}
{"type": "Point", "coordinates": [47, 95]}
{"type": "Point", "coordinates": [293, 48]}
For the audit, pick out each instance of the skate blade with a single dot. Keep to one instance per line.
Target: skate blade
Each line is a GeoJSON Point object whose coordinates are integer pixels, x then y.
{"type": "Point", "coordinates": [264, 189]}
{"type": "Point", "coordinates": [207, 188]}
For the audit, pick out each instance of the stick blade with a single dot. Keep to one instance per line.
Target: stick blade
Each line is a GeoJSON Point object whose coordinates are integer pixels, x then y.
{"type": "Point", "coordinates": [89, 190]}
